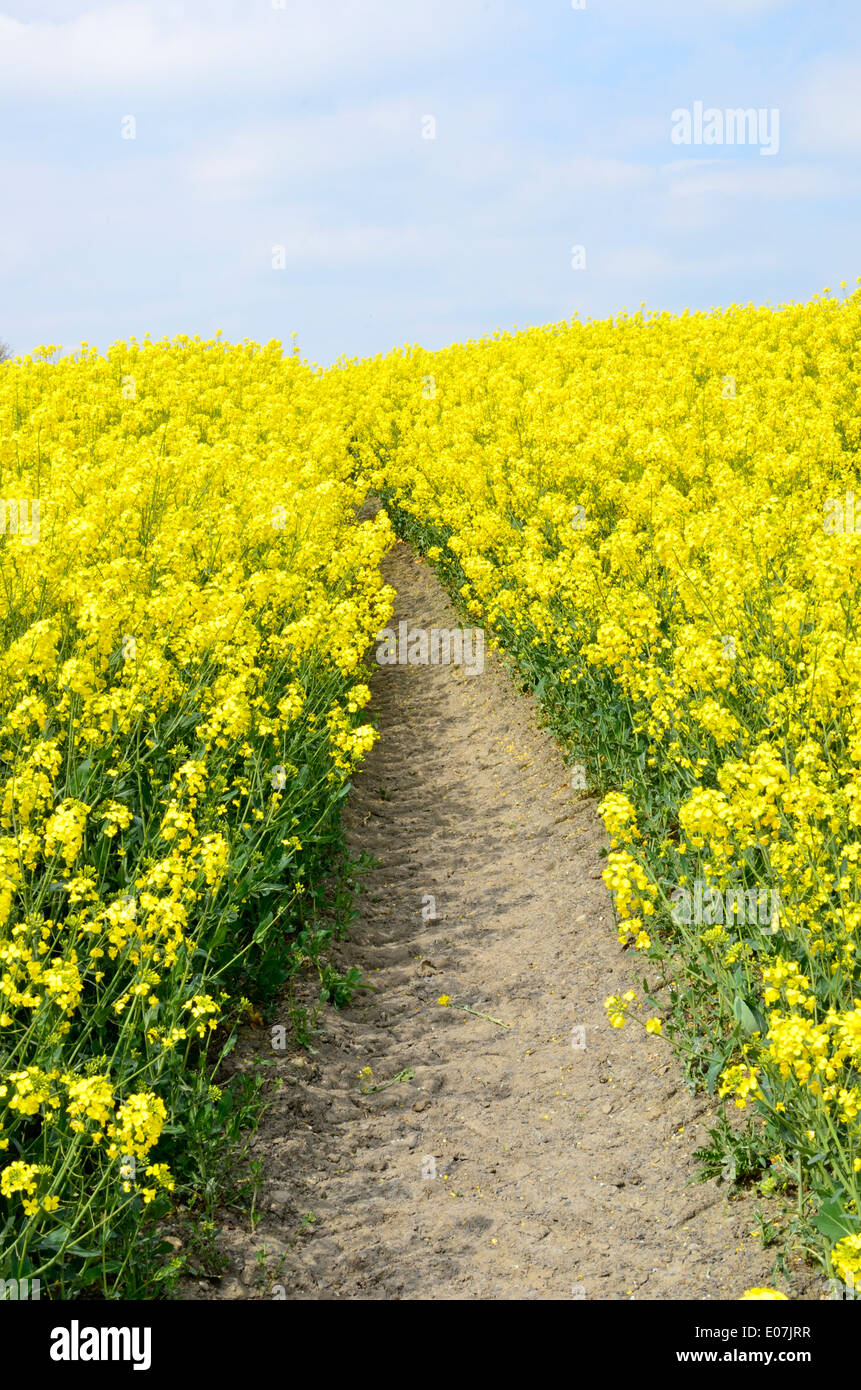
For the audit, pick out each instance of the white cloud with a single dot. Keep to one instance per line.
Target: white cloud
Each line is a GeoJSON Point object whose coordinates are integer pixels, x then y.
{"type": "Point", "coordinates": [538, 188]}
{"type": "Point", "coordinates": [641, 263]}
{"type": "Point", "coordinates": [827, 111]}
{"type": "Point", "coordinates": [605, 174]}
{"type": "Point", "coordinates": [154, 46]}
{"type": "Point", "coordinates": [727, 179]}
{"type": "Point", "coordinates": [682, 10]}
{"type": "Point", "coordinates": [311, 241]}
{"type": "Point", "coordinates": [351, 138]}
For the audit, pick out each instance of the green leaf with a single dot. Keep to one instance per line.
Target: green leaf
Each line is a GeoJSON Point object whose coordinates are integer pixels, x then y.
{"type": "Point", "coordinates": [714, 1071]}
{"type": "Point", "coordinates": [57, 1238]}
{"type": "Point", "coordinates": [746, 1017]}
{"type": "Point", "coordinates": [834, 1221]}
{"type": "Point", "coordinates": [262, 928]}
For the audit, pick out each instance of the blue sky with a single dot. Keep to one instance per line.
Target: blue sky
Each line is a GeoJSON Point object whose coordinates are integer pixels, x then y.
{"type": "Point", "coordinates": [274, 123]}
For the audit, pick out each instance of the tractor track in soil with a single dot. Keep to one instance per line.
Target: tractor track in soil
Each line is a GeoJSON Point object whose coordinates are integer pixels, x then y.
{"type": "Point", "coordinates": [561, 1172]}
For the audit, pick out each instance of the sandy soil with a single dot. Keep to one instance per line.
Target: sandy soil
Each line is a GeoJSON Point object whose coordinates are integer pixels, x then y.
{"type": "Point", "coordinates": [515, 1163]}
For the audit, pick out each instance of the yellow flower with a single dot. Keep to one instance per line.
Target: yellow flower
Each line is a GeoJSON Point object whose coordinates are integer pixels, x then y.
{"type": "Point", "coordinates": [138, 1125]}
{"type": "Point", "coordinates": [846, 1257]}
{"type": "Point", "coordinates": [21, 1177]}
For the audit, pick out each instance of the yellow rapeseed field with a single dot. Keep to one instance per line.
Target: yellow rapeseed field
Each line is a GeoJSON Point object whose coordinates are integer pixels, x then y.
{"type": "Point", "coordinates": [186, 597]}
{"type": "Point", "coordinates": [655, 516]}
{"type": "Point", "coordinates": [652, 515]}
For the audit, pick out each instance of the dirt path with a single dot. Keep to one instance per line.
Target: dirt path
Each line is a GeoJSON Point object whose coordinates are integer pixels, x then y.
{"type": "Point", "coordinates": [561, 1172]}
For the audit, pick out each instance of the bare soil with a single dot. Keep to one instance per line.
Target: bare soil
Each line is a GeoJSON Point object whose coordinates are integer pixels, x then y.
{"type": "Point", "coordinates": [515, 1163]}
